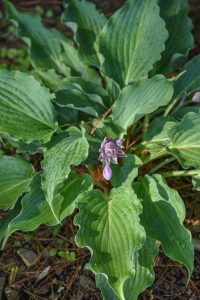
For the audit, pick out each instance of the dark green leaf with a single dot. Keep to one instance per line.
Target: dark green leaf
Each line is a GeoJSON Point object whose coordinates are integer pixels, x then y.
{"type": "Point", "coordinates": [132, 41]}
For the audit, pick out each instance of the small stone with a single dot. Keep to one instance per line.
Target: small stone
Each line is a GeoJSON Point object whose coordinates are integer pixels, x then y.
{"type": "Point", "coordinates": [43, 290]}
{"type": "Point", "coordinates": [27, 256]}
{"type": "Point", "coordinates": [12, 292]}
{"type": "Point", "coordinates": [43, 274]}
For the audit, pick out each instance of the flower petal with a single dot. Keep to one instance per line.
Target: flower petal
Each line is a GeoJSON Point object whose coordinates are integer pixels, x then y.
{"type": "Point", "coordinates": [196, 98]}
{"type": "Point", "coordinates": [107, 172]}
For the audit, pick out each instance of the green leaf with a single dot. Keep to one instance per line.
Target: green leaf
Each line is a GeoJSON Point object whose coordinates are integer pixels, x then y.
{"type": "Point", "coordinates": [75, 100]}
{"type": "Point", "coordinates": [157, 135]}
{"type": "Point", "coordinates": [86, 22]}
{"type": "Point", "coordinates": [73, 96]}
{"type": "Point", "coordinates": [144, 274]}
{"type": "Point", "coordinates": [72, 188]}
{"type": "Point", "coordinates": [179, 26]}
{"type": "Point", "coordinates": [196, 182]}
{"type": "Point", "coordinates": [15, 175]}
{"type": "Point", "coordinates": [34, 211]}
{"type": "Point", "coordinates": [92, 90]}
{"type": "Point", "coordinates": [161, 205]}
{"type": "Point", "coordinates": [26, 111]}
{"type": "Point", "coordinates": [125, 174]}
{"type": "Point", "coordinates": [185, 140]}
{"type": "Point", "coordinates": [67, 149]}
{"type": "Point", "coordinates": [132, 41]}
{"type": "Point", "coordinates": [44, 44]}
{"type": "Point", "coordinates": [190, 80]}
{"type": "Point", "coordinates": [139, 99]}
{"type": "Point", "coordinates": [110, 228]}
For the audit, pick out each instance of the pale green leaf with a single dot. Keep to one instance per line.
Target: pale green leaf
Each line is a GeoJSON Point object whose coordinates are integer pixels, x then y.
{"type": "Point", "coordinates": [15, 175]}
{"type": "Point", "coordinates": [110, 228]}
{"type": "Point", "coordinates": [139, 99]}
{"type": "Point", "coordinates": [144, 273]}
{"type": "Point", "coordinates": [125, 174]}
{"type": "Point", "coordinates": [143, 278]}
{"type": "Point", "coordinates": [26, 111]}
{"type": "Point", "coordinates": [179, 26]}
{"type": "Point", "coordinates": [67, 149]}
{"type": "Point", "coordinates": [132, 41]}
{"type": "Point", "coordinates": [196, 182]}
{"type": "Point", "coordinates": [185, 140]}
{"type": "Point", "coordinates": [86, 22]}
{"type": "Point", "coordinates": [161, 206]}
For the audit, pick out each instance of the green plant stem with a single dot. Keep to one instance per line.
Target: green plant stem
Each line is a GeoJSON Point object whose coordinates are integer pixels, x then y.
{"type": "Point", "coordinates": [162, 164]}
{"type": "Point", "coordinates": [181, 173]}
{"type": "Point", "coordinates": [145, 126]}
{"type": "Point", "coordinates": [170, 107]}
{"type": "Point", "coordinates": [139, 146]}
{"type": "Point", "coordinates": [155, 156]}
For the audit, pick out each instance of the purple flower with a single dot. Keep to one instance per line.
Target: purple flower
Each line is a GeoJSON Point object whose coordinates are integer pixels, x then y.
{"type": "Point", "coordinates": [109, 152]}
{"type": "Point", "coordinates": [196, 98]}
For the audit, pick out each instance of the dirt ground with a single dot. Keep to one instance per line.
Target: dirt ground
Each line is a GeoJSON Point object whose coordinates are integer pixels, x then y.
{"type": "Point", "coordinates": [47, 264]}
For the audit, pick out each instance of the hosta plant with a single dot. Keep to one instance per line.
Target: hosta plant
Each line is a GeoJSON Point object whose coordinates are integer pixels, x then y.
{"type": "Point", "coordinates": [103, 116]}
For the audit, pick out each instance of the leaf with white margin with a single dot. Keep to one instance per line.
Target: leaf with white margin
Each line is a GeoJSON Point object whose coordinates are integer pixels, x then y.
{"type": "Point", "coordinates": [71, 189]}
{"type": "Point", "coordinates": [15, 176]}
{"type": "Point", "coordinates": [185, 141]}
{"type": "Point", "coordinates": [26, 111]}
{"type": "Point", "coordinates": [110, 227]}
{"type": "Point", "coordinates": [143, 278]}
{"type": "Point", "coordinates": [139, 99]}
{"type": "Point", "coordinates": [67, 149]}
{"type": "Point", "coordinates": [132, 41]}
{"type": "Point", "coordinates": [35, 211]}
{"type": "Point", "coordinates": [162, 217]}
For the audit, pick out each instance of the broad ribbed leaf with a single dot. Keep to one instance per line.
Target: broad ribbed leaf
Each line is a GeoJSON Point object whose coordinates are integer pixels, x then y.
{"type": "Point", "coordinates": [179, 26]}
{"type": "Point", "coordinates": [86, 22]}
{"type": "Point", "coordinates": [185, 140]}
{"type": "Point", "coordinates": [132, 40]}
{"type": "Point", "coordinates": [144, 274]}
{"type": "Point", "coordinates": [125, 174]}
{"type": "Point", "coordinates": [73, 96]}
{"type": "Point", "coordinates": [15, 175]}
{"type": "Point", "coordinates": [190, 80]}
{"type": "Point", "coordinates": [74, 186]}
{"type": "Point", "coordinates": [34, 211]}
{"type": "Point", "coordinates": [75, 100]}
{"type": "Point", "coordinates": [44, 44]}
{"type": "Point", "coordinates": [157, 135]}
{"type": "Point", "coordinates": [67, 149]}
{"type": "Point", "coordinates": [26, 111]}
{"type": "Point", "coordinates": [110, 228]}
{"type": "Point", "coordinates": [162, 218]}
{"type": "Point", "coordinates": [139, 99]}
